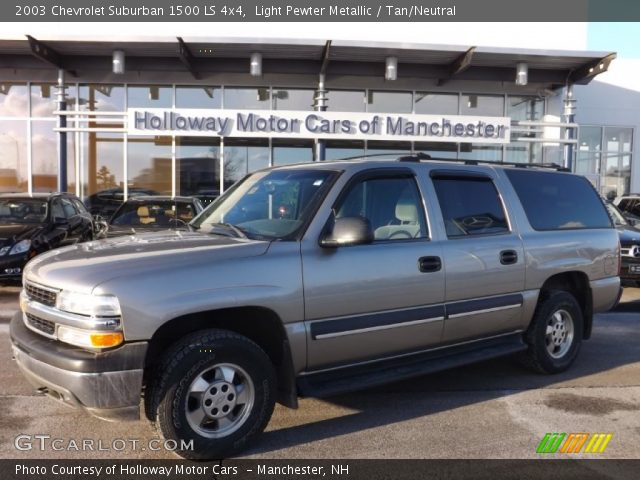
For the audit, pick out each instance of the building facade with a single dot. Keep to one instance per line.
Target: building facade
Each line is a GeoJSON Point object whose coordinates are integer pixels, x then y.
{"type": "Point", "coordinates": [296, 76]}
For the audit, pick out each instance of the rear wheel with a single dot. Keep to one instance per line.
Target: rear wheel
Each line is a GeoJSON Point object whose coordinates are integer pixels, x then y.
{"type": "Point", "coordinates": [555, 333]}
{"type": "Point", "coordinates": [215, 389]}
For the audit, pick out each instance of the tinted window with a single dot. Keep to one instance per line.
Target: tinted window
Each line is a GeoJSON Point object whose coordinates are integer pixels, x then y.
{"type": "Point", "coordinates": [470, 206]}
{"type": "Point", "coordinates": [69, 209]}
{"type": "Point", "coordinates": [392, 205]}
{"type": "Point", "coordinates": [554, 201]}
{"type": "Point", "coordinates": [79, 206]}
{"type": "Point", "coordinates": [161, 214]}
{"type": "Point", "coordinates": [56, 209]}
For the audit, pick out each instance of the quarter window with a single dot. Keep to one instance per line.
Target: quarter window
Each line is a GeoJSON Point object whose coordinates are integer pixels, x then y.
{"type": "Point", "coordinates": [470, 206]}
{"type": "Point", "coordinates": [392, 204]}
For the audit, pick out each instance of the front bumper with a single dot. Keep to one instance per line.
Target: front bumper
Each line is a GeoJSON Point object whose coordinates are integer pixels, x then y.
{"type": "Point", "coordinates": [106, 384]}
{"type": "Point", "coordinates": [627, 267]}
{"type": "Point", "coordinates": [11, 266]}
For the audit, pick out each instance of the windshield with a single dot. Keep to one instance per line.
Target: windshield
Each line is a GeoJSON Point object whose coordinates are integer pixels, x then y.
{"type": "Point", "coordinates": [23, 210]}
{"type": "Point", "coordinates": [615, 214]}
{"type": "Point", "coordinates": [270, 204]}
{"type": "Point", "coordinates": [155, 214]}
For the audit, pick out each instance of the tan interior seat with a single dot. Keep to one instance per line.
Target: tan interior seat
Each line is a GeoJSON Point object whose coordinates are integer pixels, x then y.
{"type": "Point", "coordinates": [143, 215]}
{"type": "Point", "coordinates": [409, 227]}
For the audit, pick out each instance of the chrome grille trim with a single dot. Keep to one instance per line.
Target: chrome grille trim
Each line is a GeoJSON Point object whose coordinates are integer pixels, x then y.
{"type": "Point", "coordinates": [41, 294]}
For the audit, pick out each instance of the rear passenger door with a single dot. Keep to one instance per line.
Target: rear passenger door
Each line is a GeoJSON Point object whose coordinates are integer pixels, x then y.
{"type": "Point", "coordinates": [483, 258]}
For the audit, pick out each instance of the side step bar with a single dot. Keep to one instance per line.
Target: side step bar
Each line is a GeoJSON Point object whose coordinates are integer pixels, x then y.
{"type": "Point", "coordinates": [358, 377]}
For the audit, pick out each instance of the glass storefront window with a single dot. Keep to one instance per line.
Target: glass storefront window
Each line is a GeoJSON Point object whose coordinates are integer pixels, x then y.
{"type": "Point", "coordinates": [14, 100]}
{"type": "Point", "coordinates": [481, 151]}
{"type": "Point", "coordinates": [525, 108]}
{"type": "Point", "coordinates": [149, 160]}
{"type": "Point", "coordinates": [437, 149]}
{"type": "Point", "coordinates": [198, 167]}
{"type": "Point", "coordinates": [290, 152]}
{"type": "Point", "coordinates": [243, 156]}
{"type": "Point", "coordinates": [247, 98]}
{"type": "Point", "coordinates": [101, 97]}
{"type": "Point", "coordinates": [587, 163]}
{"type": "Point", "coordinates": [490, 105]}
{"type": "Point", "coordinates": [383, 148]}
{"type": "Point", "coordinates": [590, 138]}
{"type": "Point", "coordinates": [151, 96]}
{"type": "Point", "coordinates": [389, 102]}
{"type": "Point", "coordinates": [339, 149]}
{"type": "Point", "coordinates": [524, 152]}
{"type": "Point", "coordinates": [345, 101]}
{"type": "Point", "coordinates": [436, 103]}
{"type": "Point", "coordinates": [44, 99]}
{"type": "Point", "coordinates": [13, 155]}
{"type": "Point", "coordinates": [101, 158]}
{"type": "Point", "coordinates": [617, 139]}
{"type": "Point", "coordinates": [292, 99]}
{"type": "Point", "coordinates": [198, 97]}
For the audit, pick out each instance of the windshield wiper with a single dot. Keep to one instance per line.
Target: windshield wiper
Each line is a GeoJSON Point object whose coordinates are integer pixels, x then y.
{"type": "Point", "coordinates": [237, 232]}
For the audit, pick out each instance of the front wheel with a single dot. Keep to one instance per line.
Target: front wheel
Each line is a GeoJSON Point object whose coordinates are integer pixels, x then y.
{"type": "Point", "coordinates": [555, 333]}
{"type": "Point", "coordinates": [215, 393]}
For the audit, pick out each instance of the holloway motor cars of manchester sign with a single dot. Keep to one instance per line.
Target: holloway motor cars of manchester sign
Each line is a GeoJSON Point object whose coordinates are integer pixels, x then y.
{"type": "Point", "coordinates": [322, 125]}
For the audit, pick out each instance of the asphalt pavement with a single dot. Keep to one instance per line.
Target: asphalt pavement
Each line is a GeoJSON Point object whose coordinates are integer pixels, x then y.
{"type": "Point", "coordinates": [495, 409]}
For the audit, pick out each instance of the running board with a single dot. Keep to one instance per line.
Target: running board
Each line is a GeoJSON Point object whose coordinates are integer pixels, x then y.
{"type": "Point", "coordinates": [371, 374]}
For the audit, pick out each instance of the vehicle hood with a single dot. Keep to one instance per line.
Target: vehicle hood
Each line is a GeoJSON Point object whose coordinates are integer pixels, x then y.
{"type": "Point", "coordinates": [628, 235]}
{"type": "Point", "coordinates": [84, 266]}
{"type": "Point", "coordinates": [14, 232]}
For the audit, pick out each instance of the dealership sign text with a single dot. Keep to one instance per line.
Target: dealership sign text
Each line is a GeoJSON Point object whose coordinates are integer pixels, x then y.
{"type": "Point", "coordinates": [321, 125]}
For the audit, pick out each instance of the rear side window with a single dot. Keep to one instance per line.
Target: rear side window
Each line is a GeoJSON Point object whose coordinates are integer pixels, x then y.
{"type": "Point", "coordinates": [470, 206]}
{"type": "Point", "coordinates": [555, 201]}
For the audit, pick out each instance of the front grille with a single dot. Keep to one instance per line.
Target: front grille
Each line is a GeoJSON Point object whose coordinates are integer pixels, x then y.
{"type": "Point", "coordinates": [41, 324]}
{"type": "Point", "coordinates": [41, 295]}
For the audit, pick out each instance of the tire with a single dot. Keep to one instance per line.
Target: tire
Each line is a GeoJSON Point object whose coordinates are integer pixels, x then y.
{"type": "Point", "coordinates": [555, 334]}
{"type": "Point", "coordinates": [215, 388]}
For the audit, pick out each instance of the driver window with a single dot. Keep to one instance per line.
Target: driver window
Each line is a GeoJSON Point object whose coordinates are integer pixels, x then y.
{"type": "Point", "coordinates": [470, 206]}
{"type": "Point", "coordinates": [57, 210]}
{"type": "Point", "coordinates": [392, 204]}
{"type": "Point", "coordinates": [68, 208]}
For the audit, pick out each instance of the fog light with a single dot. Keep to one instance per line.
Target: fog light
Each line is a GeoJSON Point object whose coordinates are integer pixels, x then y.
{"type": "Point", "coordinates": [11, 271]}
{"type": "Point", "coordinates": [88, 338]}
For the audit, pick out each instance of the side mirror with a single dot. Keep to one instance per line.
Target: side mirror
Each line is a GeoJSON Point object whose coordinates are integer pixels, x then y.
{"type": "Point", "coordinates": [348, 231]}
{"type": "Point", "coordinates": [60, 221]}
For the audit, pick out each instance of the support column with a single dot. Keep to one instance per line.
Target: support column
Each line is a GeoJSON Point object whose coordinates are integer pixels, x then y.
{"type": "Point", "coordinates": [62, 136]}
{"type": "Point", "coordinates": [320, 105]}
{"type": "Point", "coordinates": [569, 115]}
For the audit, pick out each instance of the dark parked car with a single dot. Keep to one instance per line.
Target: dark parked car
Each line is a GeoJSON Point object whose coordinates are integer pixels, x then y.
{"type": "Point", "coordinates": [630, 247]}
{"type": "Point", "coordinates": [32, 224]}
{"type": "Point", "coordinates": [105, 202]}
{"type": "Point", "coordinates": [152, 213]}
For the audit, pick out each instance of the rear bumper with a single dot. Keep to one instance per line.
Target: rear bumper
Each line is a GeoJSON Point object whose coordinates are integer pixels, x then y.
{"type": "Point", "coordinates": [108, 384]}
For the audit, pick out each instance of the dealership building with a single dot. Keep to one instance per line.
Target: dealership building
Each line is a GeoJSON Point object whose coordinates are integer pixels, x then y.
{"type": "Point", "coordinates": [185, 115]}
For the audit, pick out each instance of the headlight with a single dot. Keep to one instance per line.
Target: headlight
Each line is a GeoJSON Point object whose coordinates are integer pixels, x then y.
{"type": "Point", "coordinates": [20, 247]}
{"type": "Point", "coordinates": [90, 305]}
{"type": "Point", "coordinates": [89, 338]}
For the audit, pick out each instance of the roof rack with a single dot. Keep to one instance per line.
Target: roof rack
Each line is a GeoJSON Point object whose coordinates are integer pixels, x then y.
{"type": "Point", "coordinates": [421, 156]}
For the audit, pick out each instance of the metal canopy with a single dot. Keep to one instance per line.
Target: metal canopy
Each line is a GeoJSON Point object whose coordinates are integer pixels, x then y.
{"type": "Point", "coordinates": [196, 55]}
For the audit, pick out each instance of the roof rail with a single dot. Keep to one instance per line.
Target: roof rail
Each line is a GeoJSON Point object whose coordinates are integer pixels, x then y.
{"type": "Point", "coordinates": [421, 156]}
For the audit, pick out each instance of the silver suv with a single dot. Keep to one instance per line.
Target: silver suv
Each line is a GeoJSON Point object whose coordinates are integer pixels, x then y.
{"type": "Point", "coordinates": [311, 280]}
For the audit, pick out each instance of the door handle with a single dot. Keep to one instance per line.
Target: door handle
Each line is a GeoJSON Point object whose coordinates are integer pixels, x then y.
{"type": "Point", "coordinates": [429, 264]}
{"type": "Point", "coordinates": [508, 257]}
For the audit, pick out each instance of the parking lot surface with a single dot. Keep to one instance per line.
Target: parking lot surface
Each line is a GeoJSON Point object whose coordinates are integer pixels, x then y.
{"type": "Point", "coordinates": [495, 409]}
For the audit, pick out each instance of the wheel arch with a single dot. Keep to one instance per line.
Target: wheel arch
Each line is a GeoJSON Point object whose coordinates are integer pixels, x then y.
{"type": "Point", "coordinates": [261, 325]}
{"type": "Point", "coordinates": [577, 284]}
